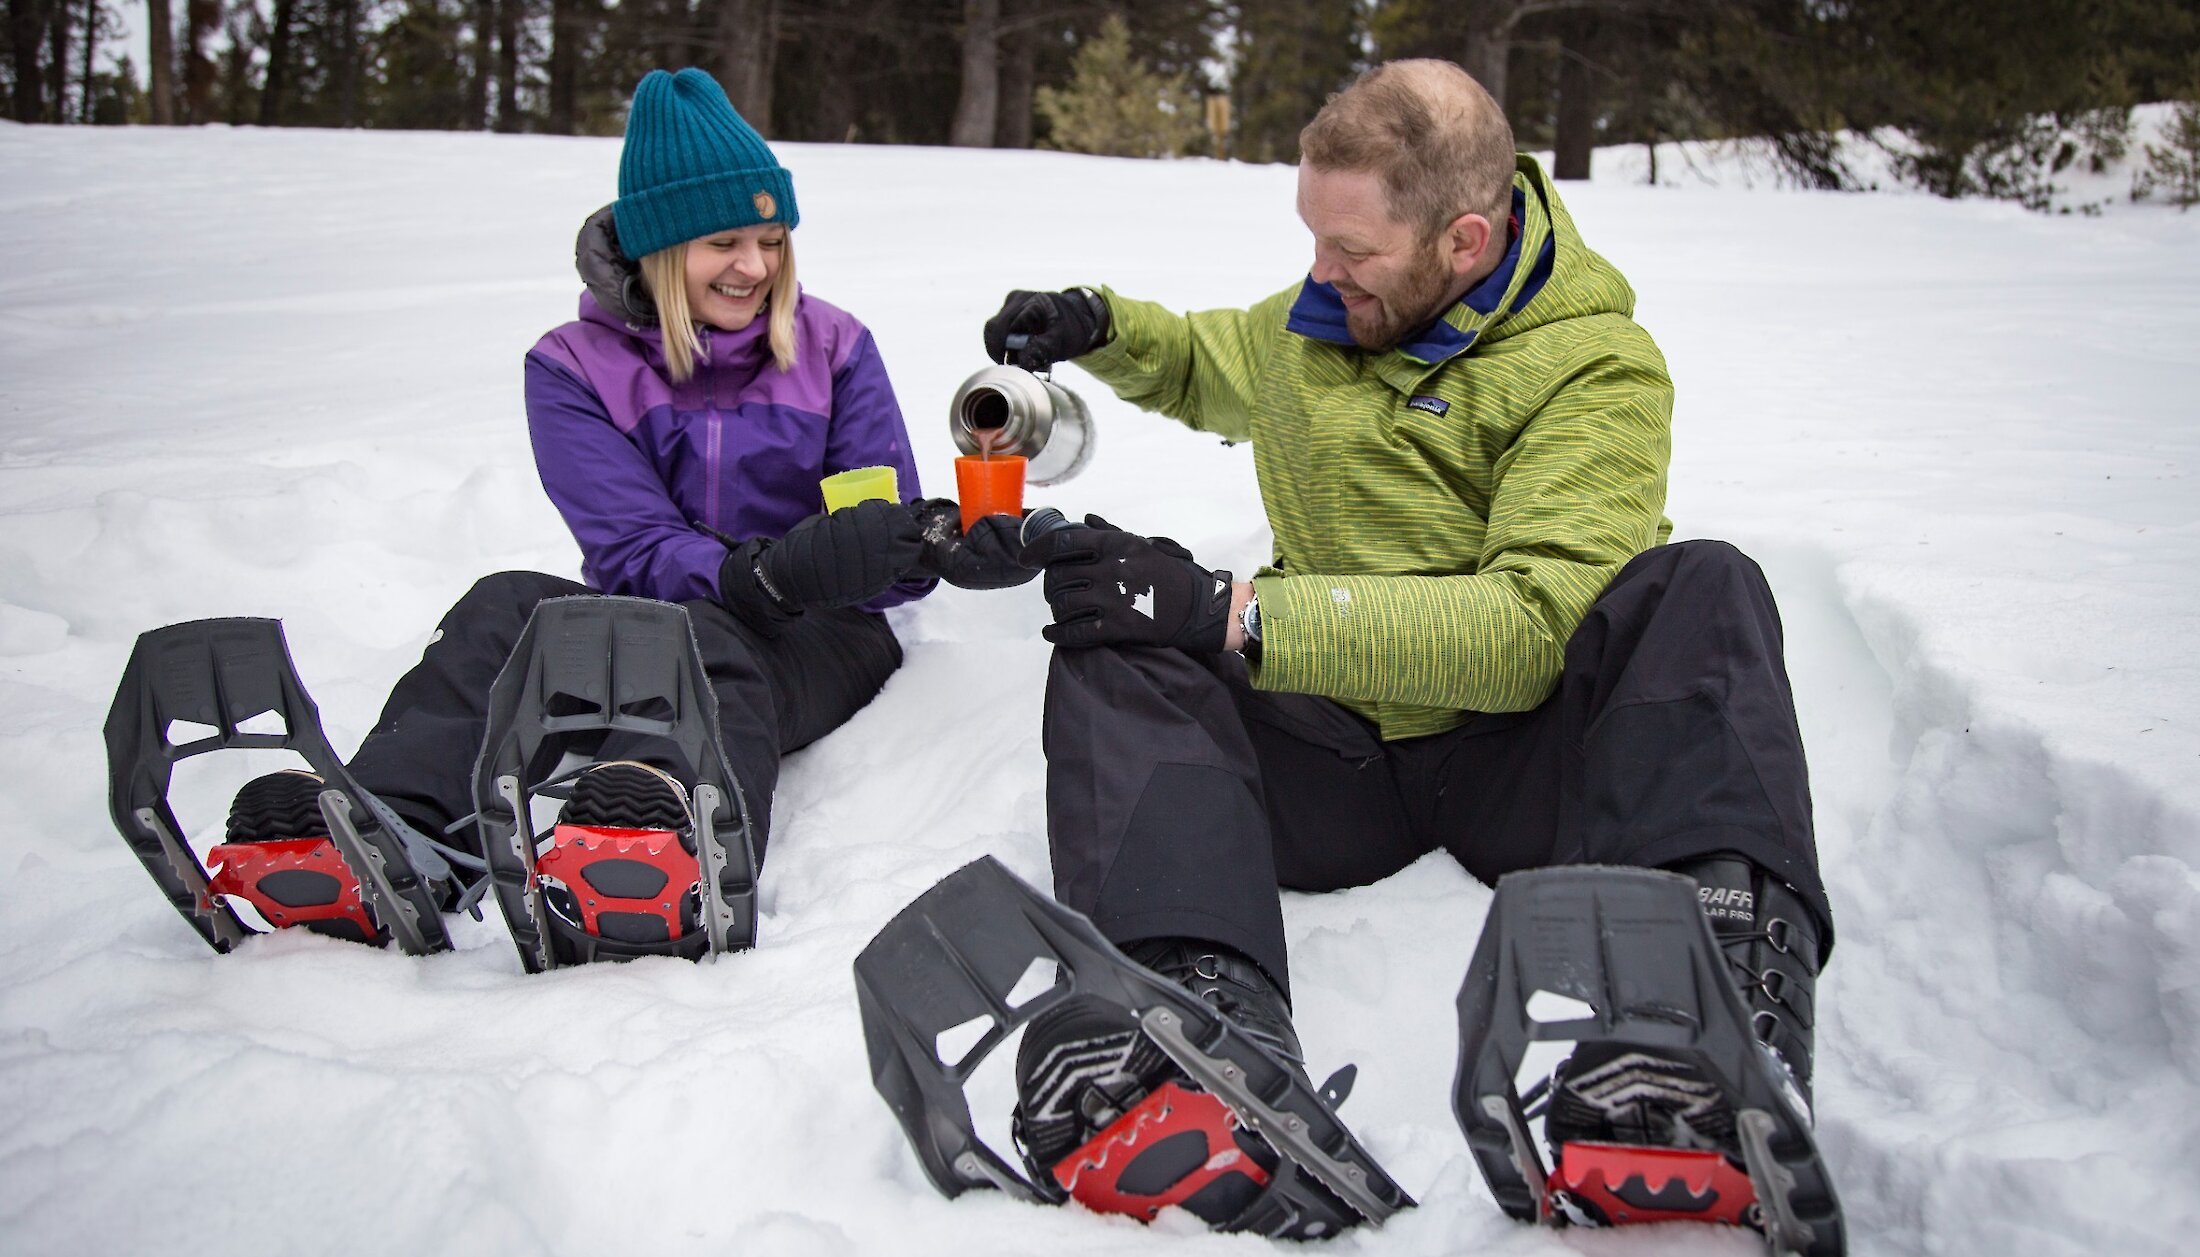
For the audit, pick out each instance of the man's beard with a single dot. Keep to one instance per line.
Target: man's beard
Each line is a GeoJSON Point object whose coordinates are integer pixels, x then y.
{"type": "Point", "coordinates": [1396, 315]}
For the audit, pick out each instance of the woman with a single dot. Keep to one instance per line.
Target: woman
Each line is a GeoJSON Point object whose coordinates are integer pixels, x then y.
{"type": "Point", "coordinates": [681, 426]}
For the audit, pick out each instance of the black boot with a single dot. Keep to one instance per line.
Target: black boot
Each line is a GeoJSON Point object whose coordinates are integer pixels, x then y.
{"type": "Point", "coordinates": [1084, 1070]}
{"type": "Point", "coordinates": [1771, 941]}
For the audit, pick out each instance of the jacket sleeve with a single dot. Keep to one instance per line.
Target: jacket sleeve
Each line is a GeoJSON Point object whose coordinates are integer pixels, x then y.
{"type": "Point", "coordinates": [1198, 369]}
{"type": "Point", "coordinates": [868, 431]}
{"type": "Point", "coordinates": [633, 537]}
{"type": "Point", "coordinates": [1580, 491]}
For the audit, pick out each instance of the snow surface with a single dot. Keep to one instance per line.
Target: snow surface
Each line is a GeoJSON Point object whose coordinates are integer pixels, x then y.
{"type": "Point", "coordinates": [277, 373]}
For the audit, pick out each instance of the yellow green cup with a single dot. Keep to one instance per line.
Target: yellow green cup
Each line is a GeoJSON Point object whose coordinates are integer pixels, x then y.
{"type": "Point", "coordinates": [846, 488]}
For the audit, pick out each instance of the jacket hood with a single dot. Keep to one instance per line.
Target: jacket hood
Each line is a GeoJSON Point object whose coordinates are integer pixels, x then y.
{"type": "Point", "coordinates": [1547, 275]}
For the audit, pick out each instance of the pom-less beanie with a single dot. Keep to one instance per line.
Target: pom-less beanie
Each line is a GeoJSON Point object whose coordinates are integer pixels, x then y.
{"type": "Point", "coordinates": [692, 166]}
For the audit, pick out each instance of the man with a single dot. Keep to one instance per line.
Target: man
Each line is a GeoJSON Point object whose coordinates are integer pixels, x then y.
{"type": "Point", "coordinates": [1472, 636]}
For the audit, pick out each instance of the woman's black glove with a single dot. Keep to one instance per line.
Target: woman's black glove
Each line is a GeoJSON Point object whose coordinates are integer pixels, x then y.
{"type": "Point", "coordinates": [852, 555]}
{"type": "Point", "coordinates": [986, 557]}
{"type": "Point", "coordinates": [614, 278]}
{"type": "Point", "coordinates": [1113, 588]}
{"type": "Point", "coordinates": [1056, 326]}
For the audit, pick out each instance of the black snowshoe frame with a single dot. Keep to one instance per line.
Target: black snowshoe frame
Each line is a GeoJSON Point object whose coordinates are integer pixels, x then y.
{"type": "Point", "coordinates": [955, 955]}
{"type": "Point", "coordinates": [223, 675]}
{"type": "Point", "coordinates": [602, 663]}
{"type": "Point", "coordinates": [1631, 944]}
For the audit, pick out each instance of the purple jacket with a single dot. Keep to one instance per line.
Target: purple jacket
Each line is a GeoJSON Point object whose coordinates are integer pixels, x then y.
{"type": "Point", "coordinates": [641, 467]}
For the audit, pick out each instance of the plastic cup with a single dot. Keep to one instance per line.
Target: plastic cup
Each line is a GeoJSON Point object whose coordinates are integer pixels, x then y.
{"type": "Point", "coordinates": [846, 488]}
{"type": "Point", "coordinates": [989, 486]}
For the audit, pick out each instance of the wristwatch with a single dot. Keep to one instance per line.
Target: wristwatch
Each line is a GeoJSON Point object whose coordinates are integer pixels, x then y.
{"type": "Point", "coordinates": [1249, 622]}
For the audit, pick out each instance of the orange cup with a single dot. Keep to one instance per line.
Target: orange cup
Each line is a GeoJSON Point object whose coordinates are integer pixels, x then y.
{"type": "Point", "coordinates": [990, 486]}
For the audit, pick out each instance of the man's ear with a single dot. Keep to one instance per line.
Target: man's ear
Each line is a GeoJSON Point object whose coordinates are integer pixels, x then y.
{"type": "Point", "coordinates": [1466, 238]}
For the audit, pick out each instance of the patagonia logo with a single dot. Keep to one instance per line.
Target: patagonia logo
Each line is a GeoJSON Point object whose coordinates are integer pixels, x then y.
{"type": "Point", "coordinates": [1434, 405]}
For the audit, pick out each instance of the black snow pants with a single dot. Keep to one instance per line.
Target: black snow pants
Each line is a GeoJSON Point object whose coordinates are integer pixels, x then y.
{"type": "Point", "coordinates": [1179, 797]}
{"type": "Point", "coordinates": [775, 695]}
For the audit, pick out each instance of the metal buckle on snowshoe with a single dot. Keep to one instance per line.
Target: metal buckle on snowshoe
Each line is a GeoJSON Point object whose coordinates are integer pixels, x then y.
{"type": "Point", "coordinates": [944, 971]}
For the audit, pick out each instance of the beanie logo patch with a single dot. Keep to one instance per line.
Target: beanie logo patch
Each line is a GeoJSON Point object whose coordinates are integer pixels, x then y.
{"type": "Point", "coordinates": [766, 207]}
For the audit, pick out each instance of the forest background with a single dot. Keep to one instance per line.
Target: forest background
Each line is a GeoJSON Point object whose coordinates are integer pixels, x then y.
{"type": "Point", "coordinates": [1991, 98]}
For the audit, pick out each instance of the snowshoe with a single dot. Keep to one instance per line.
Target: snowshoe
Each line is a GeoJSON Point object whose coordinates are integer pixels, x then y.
{"type": "Point", "coordinates": [637, 863]}
{"type": "Point", "coordinates": [1174, 1100]}
{"type": "Point", "coordinates": [313, 849]}
{"type": "Point", "coordinates": [1668, 1107]}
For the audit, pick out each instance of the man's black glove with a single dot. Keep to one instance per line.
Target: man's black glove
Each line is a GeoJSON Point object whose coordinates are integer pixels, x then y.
{"type": "Point", "coordinates": [1057, 326]}
{"type": "Point", "coordinates": [837, 560]}
{"type": "Point", "coordinates": [986, 557]}
{"type": "Point", "coordinates": [1113, 588]}
{"type": "Point", "coordinates": [614, 278]}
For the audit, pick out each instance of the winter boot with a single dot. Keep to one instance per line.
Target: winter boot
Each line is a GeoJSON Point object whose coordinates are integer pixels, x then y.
{"type": "Point", "coordinates": [1106, 1117]}
{"type": "Point", "coordinates": [1607, 1094]}
{"type": "Point", "coordinates": [277, 856]}
{"type": "Point", "coordinates": [622, 864]}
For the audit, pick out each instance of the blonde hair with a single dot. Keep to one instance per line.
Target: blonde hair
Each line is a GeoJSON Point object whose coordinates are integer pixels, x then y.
{"type": "Point", "coordinates": [664, 273]}
{"type": "Point", "coordinates": [1424, 127]}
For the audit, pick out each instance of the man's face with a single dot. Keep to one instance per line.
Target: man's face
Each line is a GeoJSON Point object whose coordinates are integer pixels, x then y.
{"type": "Point", "coordinates": [1393, 282]}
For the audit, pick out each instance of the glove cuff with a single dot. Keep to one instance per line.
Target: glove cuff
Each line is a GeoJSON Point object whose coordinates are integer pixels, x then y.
{"type": "Point", "coordinates": [744, 590]}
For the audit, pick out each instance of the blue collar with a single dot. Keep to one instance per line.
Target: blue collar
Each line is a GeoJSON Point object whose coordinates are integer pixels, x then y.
{"type": "Point", "coordinates": [1319, 312]}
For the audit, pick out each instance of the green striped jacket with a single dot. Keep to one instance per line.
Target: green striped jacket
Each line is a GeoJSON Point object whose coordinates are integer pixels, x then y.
{"type": "Point", "coordinates": [1444, 512]}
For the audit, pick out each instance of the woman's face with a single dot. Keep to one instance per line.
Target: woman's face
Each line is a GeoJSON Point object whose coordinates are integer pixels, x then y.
{"type": "Point", "coordinates": [729, 273]}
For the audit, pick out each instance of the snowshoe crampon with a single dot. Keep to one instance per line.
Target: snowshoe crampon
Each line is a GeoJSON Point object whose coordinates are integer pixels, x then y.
{"type": "Point", "coordinates": [1620, 963]}
{"type": "Point", "coordinates": [215, 685]}
{"type": "Point", "coordinates": [965, 965]}
{"type": "Point", "coordinates": [669, 883]}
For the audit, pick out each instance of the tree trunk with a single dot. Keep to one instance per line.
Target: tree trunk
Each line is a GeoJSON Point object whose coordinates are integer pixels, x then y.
{"type": "Point", "coordinates": [200, 17]}
{"type": "Point", "coordinates": [161, 51]}
{"type": "Point", "coordinates": [978, 108]}
{"type": "Point", "coordinates": [278, 63]}
{"type": "Point", "coordinates": [1577, 107]}
{"type": "Point", "coordinates": [58, 21]}
{"type": "Point", "coordinates": [508, 66]}
{"type": "Point", "coordinates": [1012, 128]}
{"type": "Point", "coordinates": [1485, 55]}
{"type": "Point", "coordinates": [91, 45]}
{"type": "Point", "coordinates": [565, 64]}
{"type": "Point", "coordinates": [484, 71]}
{"type": "Point", "coordinates": [344, 16]}
{"type": "Point", "coordinates": [26, 22]}
{"type": "Point", "coordinates": [748, 47]}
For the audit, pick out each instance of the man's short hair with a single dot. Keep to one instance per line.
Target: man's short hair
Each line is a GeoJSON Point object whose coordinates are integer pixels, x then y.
{"type": "Point", "coordinates": [1437, 141]}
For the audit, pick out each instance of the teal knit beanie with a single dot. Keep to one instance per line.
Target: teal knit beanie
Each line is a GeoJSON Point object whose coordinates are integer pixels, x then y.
{"type": "Point", "coordinates": [692, 166]}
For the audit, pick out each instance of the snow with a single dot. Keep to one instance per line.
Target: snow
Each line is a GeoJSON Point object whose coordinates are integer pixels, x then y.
{"type": "Point", "coordinates": [277, 373]}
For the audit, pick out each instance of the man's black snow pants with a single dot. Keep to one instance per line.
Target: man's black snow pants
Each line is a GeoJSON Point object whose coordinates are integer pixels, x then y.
{"type": "Point", "coordinates": [775, 695]}
{"type": "Point", "coordinates": [1179, 797]}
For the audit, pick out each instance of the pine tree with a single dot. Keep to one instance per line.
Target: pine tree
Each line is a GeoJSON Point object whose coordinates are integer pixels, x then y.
{"type": "Point", "coordinates": [1116, 106]}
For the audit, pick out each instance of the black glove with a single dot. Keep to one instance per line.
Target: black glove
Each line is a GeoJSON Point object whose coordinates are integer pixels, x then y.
{"type": "Point", "coordinates": [844, 558]}
{"type": "Point", "coordinates": [852, 555]}
{"type": "Point", "coordinates": [983, 558]}
{"type": "Point", "coordinates": [1113, 588]}
{"type": "Point", "coordinates": [1059, 325]}
{"type": "Point", "coordinates": [614, 278]}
